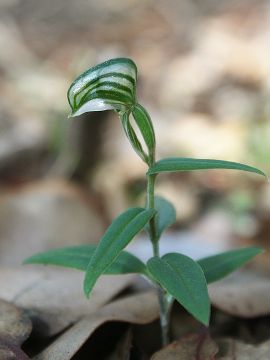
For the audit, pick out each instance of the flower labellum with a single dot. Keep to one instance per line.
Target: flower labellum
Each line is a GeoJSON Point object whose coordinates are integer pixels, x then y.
{"type": "Point", "coordinates": [110, 85]}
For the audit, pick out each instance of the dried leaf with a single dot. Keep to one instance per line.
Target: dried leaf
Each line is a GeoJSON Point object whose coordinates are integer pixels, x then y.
{"type": "Point", "coordinates": [233, 349]}
{"type": "Point", "coordinates": [54, 297]}
{"type": "Point", "coordinates": [137, 309]}
{"type": "Point", "coordinates": [15, 328]}
{"type": "Point", "coordinates": [200, 347]}
{"type": "Point", "coordinates": [45, 215]}
{"type": "Point", "coordinates": [245, 294]}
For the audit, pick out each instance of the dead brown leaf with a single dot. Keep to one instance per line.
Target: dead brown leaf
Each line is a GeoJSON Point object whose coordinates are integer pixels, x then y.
{"type": "Point", "coordinates": [245, 294]}
{"type": "Point", "coordinates": [15, 328]}
{"type": "Point", "coordinates": [200, 347]}
{"type": "Point", "coordinates": [233, 349]}
{"type": "Point", "coordinates": [54, 297]}
{"type": "Point", "coordinates": [137, 309]}
{"type": "Point", "coordinates": [45, 215]}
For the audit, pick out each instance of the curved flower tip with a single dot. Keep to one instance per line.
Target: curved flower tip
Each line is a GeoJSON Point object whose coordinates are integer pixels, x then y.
{"type": "Point", "coordinates": [109, 85]}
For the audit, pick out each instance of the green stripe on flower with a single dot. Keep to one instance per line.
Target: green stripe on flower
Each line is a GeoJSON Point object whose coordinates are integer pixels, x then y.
{"type": "Point", "coordinates": [110, 85]}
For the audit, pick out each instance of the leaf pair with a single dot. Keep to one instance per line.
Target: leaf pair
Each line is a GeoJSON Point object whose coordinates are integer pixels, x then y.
{"type": "Point", "coordinates": [183, 278]}
{"type": "Point", "coordinates": [178, 274]}
{"type": "Point", "coordinates": [186, 280]}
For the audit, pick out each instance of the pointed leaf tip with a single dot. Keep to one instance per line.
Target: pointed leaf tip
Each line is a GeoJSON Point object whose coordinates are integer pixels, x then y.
{"type": "Point", "coordinates": [78, 257]}
{"type": "Point", "coordinates": [189, 164]}
{"type": "Point", "coordinates": [218, 266]}
{"type": "Point", "coordinates": [183, 278]}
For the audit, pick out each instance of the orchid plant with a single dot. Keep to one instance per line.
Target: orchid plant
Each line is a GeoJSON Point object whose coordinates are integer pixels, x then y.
{"type": "Point", "coordinates": [112, 86]}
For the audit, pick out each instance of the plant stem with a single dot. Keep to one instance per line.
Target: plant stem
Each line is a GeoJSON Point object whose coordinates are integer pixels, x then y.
{"type": "Point", "coordinates": [163, 303]}
{"type": "Point", "coordinates": [150, 204]}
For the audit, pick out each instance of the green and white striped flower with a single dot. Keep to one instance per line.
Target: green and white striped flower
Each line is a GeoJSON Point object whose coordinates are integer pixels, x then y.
{"type": "Point", "coordinates": [110, 85]}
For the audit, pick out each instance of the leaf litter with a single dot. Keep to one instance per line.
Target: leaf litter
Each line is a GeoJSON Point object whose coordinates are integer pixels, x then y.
{"type": "Point", "coordinates": [197, 347]}
{"type": "Point", "coordinates": [203, 347]}
{"type": "Point", "coordinates": [53, 298]}
{"type": "Point", "coordinates": [231, 349]}
{"type": "Point", "coordinates": [135, 309]}
{"type": "Point", "coordinates": [245, 294]}
{"type": "Point", "coordinates": [15, 328]}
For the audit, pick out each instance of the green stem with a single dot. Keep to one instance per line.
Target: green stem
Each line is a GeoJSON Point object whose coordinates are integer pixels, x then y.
{"type": "Point", "coordinates": [150, 204]}
{"type": "Point", "coordinates": [145, 125]}
{"type": "Point", "coordinates": [163, 303]}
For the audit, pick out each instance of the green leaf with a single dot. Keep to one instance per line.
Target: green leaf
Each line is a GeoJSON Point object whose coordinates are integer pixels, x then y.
{"type": "Point", "coordinates": [165, 216]}
{"type": "Point", "coordinates": [183, 278]}
{"type": "Point", "coordinates": [115, 239]}
{"type": "Point", "coordinates": [187, 164]}
{"type": "Point", "coordinates": [109, 85]}
{"type": "Point", "coordinates": [218, 266]}
{"type": "Point", "coordinates": [78, 257]}
{"type": "Point", "coordinates": [145, 126]}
